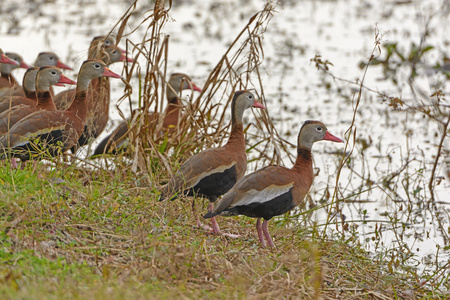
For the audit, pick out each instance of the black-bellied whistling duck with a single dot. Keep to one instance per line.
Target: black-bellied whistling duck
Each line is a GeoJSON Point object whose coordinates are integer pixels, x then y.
{"type": "Point", "coordinates": [102, 48]}
{"type": "Point", "coordinates": [213, 172]}
{"type": "Point", "coordinates": [43, 59]}
{"type": "Point", "coordinates": [50, 59]}
{"type": "Point", "coordinates": [29, 88]}
{"type": "Point", "coordinates": [177, 82]}
{"type": "Point", "coordinates": [275, 190]}
{"type": "Point", "coordinates": [98, 99]}
{"type": "Point", "coordinates": [52, 132]}
{"type": "Point", "coordinates": [7, 80]}
{"type": "Point", "coordinates": [46, 77]}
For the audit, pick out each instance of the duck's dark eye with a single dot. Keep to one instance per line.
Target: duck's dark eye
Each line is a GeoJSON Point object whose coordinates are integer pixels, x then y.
{"type": "Point", "coordinates": [115, 52]}
{"type": "Point", "coordinates": [97, 66]}
{"type": "Point", "coordinates": [107, 43]}
{"type": "Point", "coordinates": [319, 128]}
{"type": "Point", "coordinates": [53, 72]}
{"type": "Point", "coordinates": [52, 58]}
{"type": "Point", "coordinates": [250, 96]}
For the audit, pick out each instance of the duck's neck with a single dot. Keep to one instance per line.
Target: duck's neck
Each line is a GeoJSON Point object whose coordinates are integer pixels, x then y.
{"type": "Point", "coordinates": [237, 128]}
{"type": "Point", "coordinates": [237, 135]}
{"type": "Point", "coordinates": [173, 107]}
{"type": "Point", "coordinates": [78, 105]}
{"type": "Point", "coordinates": [83, 83]}
{"type": "Point", "coordinates": [99, 95]}
{"type": "Point", "coordinates": [172, 96]}
{"type": "Point", "coordinates": [45, 100]}
{"type": "Point", "coordinates": [30, 93]}
{"type": "Point", "coordinates": [304, 158]}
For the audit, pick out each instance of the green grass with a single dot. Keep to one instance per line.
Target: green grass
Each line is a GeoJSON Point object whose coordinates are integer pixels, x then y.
{"type": "Point", "coordinates": [100, 235]}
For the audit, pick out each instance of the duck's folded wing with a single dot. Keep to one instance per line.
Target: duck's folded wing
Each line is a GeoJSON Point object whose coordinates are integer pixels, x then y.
{"type": "Point", "coordinates": [262, 186]}
{"type": "Point", "coordinates": [38, 123]}
{"type": "Point", "coordinates": [197, 168]}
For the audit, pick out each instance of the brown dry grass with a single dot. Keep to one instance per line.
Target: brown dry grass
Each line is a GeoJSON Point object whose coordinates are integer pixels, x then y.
{"type": "Point", "coordinates": [106, 236]}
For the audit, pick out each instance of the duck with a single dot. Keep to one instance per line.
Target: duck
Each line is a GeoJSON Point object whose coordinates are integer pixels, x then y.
{"type": "Point", "coordinates": [52, 132]}
{"type": "Point", "coordinates": [103, 48]}
{"type": "Point", "coordinates": [50, 59]}
{"type": "Point", "coordinates": [274, 190]}
{"type": "Point", "coordinates": [117, 139]}
{"type": "Point", "coordinates": [7, 80]}
{"type": "Point", "coordinates": [98, 100]}
{"type": "Point", "coordinates": [45, 78]}
{"type": "Point", "coordinates": [43, 59]}
{"type": "Point", "coordinates": [213, 172]}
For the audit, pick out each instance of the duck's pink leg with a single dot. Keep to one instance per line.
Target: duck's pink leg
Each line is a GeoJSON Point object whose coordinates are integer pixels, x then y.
{"type": "Point", "coordinates": [215, 225]}
{"type": "Point", "coordinates": [199, 223]}
{"type": "Point", "coordinates": [265, 229]}
{"type": "Point", "coordinates": [260, 233]}
{"type": "Point", "coordinates": [14, 163]}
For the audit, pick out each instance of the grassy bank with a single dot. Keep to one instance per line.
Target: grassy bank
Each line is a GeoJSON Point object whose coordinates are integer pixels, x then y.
{"type": "Point", "coordinates": [73, 233]}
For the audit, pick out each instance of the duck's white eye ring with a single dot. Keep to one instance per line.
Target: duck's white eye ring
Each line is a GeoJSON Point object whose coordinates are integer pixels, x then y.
{"type": "Point", "coordinates": [97, 66]}
{"type": "Point", "coordinates": [250, 96]}
{"type": "Point", "coordinates": [319, 128]}
{"type": "Point", "coordinates": [52, 58]}
{"type": "Point", "coordinates": [53, 73]}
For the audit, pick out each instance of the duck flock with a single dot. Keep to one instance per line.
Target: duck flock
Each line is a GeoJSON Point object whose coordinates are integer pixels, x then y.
{"type": "Point", "coordinates": [36, 123]}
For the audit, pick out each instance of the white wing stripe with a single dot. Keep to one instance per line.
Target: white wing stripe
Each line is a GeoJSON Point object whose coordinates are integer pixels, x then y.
{"type": "Point", "coordinates": [265, 195]}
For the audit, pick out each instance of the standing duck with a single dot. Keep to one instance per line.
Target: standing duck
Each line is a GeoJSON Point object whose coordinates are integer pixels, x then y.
{"type": "Point", "coordinates": [213, 172]}
{"type": "Point", "coordinates": [275, 190]}
{"type": "Point", "coordinates": [177, 82]}
{"type": "Point", "coordinates": [52, 131]}
{"type": "Point", "coordinates": [7, 80]}
{"type": "Point", "coordinates": [46, 77]}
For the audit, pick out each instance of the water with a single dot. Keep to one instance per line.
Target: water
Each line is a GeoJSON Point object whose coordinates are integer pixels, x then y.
{"type": "Point", "coordinates": [342, 32]}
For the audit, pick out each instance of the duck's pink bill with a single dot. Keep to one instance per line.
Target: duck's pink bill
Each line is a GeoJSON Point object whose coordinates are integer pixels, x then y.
{"type": "Point", "coordinates": [24, 65]}
{"type": "Point", "coordinates": [196, 88]}
{"type": "Point", "coordinates": [124, 57]}
{"type": "Point", "coordinates": [258, 105]}
{"type": "Point", "coordinates": [109, 73]}
{"type": "Point", "coordinates": [62, 65]}
{"type": "Point", "coordinates": [329, 137]}
{"type": "Point", "coordinates": [122, 50]}
{"type": "Point", "coordinates": [6, 60]}
{"type": "Point", "coordinates": [65, 80]}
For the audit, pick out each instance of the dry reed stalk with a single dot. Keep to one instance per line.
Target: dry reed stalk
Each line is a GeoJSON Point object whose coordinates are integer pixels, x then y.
{"type": "Point", "coordinates": [205, 121]}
